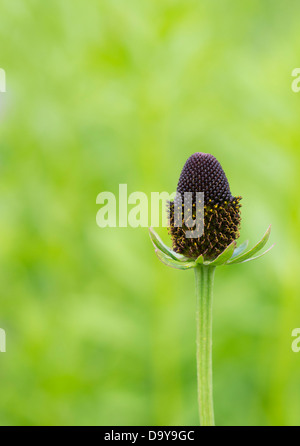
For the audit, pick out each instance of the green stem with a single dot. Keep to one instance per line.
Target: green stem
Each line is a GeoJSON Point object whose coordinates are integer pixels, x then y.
{"type": "Point", "coordinates": [204, 291]}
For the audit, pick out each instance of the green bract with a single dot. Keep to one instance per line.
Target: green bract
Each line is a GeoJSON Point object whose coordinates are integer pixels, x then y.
{"type": "Point", "coordinates": [231, 255]}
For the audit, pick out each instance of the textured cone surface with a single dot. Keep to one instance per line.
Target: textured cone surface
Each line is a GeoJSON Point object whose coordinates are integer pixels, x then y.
{"type": "Point", "coordinates": [203, 173]}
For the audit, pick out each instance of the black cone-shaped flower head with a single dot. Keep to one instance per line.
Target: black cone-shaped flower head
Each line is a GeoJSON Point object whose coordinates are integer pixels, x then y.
{"type": "Point", "coordinates": [203, 173]}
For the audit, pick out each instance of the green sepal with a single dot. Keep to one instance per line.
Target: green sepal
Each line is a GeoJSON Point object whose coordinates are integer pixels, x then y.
{"type": "Point", "coordinates": [159, 244]}
{"type": "Point", "coordinates": [240, 249]}
{"type": "Point", "coordinates": [224, 256]}
{"type": "Point", "coordinates": [252, 251]}
{"type": "Point", "coordinates": [173, 263]}
{"type": "Point", "coordinates": [200, 260]}
{"type": "Point", "coordinates": [260, 255]}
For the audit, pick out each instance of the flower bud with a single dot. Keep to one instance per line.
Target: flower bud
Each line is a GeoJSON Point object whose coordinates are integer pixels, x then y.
{"type": "Point", "coordinates": [203, 173]}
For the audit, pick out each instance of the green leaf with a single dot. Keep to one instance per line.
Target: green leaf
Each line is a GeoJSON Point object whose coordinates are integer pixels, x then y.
{"type": "Point", "coordinates": [257, 257]}
{"type": "Point", "coordinates": [224, 256]}
{"type": "Point", "coordinates": [240, 249]}
{"type": "Point", "coordinates": [173, 263]}
{"type": "Point", "coordinates": [158, 243]}
{"type": "Point", "coordinates": [254, 250]}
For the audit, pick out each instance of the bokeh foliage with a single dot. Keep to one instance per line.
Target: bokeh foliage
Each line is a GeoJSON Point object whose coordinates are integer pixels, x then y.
{"type": "Point", "coordinates": [107, 92]}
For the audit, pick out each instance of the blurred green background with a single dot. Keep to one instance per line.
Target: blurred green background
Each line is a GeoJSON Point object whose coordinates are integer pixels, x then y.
{"type": "Point", "coordinates": [107, 92]}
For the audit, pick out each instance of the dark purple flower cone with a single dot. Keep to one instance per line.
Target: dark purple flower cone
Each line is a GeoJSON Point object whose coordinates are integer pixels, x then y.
{"type": "Point", "coordinates": [203, 173]}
